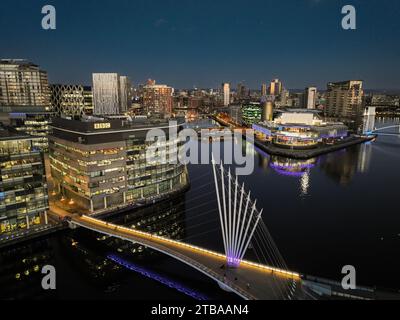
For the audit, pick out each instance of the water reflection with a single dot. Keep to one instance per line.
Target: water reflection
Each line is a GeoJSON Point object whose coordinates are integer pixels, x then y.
{"type": "Point", "coordinates": [342, 166]}
{"type": "Point", "coordinates": [20, 272]}
{"type": "Point", "coordinates": [291, 167]}
{"type": "Point", "coordinates": [166, 219]}
{"type": "Point", "coordinates": [305, 183]}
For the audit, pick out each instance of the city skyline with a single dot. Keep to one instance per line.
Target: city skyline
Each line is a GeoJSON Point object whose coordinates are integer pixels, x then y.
{"type": "Point", "coordinates": [172, 46]}
{"type": "Point", "coordinates": [171, 150]}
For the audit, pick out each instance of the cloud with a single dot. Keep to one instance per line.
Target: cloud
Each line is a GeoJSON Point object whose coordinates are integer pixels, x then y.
{"type": "Point", "coordinates": [160, 22]}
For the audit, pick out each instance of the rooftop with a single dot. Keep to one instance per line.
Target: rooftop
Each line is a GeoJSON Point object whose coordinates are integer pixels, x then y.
{"type": "Point", "coordinates": [19, 62]}
{"type": "Point", "coordinates": [10, 134]}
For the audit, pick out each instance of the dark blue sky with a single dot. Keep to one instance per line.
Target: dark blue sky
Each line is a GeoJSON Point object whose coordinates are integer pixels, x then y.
{"type": "Point", "coordinates": [200, 42]}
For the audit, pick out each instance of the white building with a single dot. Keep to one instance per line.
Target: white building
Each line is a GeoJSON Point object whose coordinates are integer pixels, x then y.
{"type": "Point", "coordinates": [226, 88]}
{"type": "Point", "coordinates": [110, 93]}
{"type": "Point", "coordinates": [369, 120]}
{"type": "Point", "coordinates": [310, 98]}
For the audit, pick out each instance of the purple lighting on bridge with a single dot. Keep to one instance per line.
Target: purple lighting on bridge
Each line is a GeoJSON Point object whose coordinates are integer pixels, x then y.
{"type": "Point", "coordinates": [233, 262]}
{"type": "Point", "coordinates": [154, 276]}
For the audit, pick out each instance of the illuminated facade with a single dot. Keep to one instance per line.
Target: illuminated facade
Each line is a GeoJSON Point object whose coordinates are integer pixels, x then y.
{"type": "Point", "coordinates": [111, 94]}
{"type": "Point", "coordinates": [344, 99]}
{"type": "Point", "coordinates": [300, 129]}
{"type": "Point", "coordinates": [157, 98]}
{"type": "Point", "coordinates": [71, 100]}
{"type": "Point", "coordinates": [251, 113]}
{"type": "Point", "coordinates": [23, 188]}
{"type": "Point", "coordinates": [102, 164]}
{"type": "Point", "coordinates": [25, 99]}
{"type": "Point", "coordinates": [275, 87]}
{"type": "Point", "coordinates": [263, 89]}
{"type": "Point", "coordinates": [226, 90]}
{"type": "Point", "coordinates": [23, 84]}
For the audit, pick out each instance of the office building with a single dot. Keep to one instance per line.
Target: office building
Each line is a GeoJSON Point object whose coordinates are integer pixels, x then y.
{"type": "Point", "coordinates": [263, 89]}
{"type": "Point", "coordinates": [23, 188]}
{"type": "Point", "coordinates": [101, 163]}
{"type": "Point", "coordinates": [23, 84]}
{"type": "Point", "coordinates": [275, 87]}
{"type": "Point", "coordinates": [157, 98]}
{"type": "Point", "coordinates": [310, 98]}
{"type": "Point", "coordinates": [226, 91]}
{"type": "Point", "coordinates": [25, 99]}
{"type": "Point", "coordinates": [111, 94]}
{"type": "Point", "coordinates": [71, 100]}
{"type": "Point", "coordinates": [242, 91]}
{"type": "Point", "coordinates": [344, 99]}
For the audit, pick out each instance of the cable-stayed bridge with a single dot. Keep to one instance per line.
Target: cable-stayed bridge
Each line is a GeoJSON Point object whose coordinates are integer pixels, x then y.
{"type": "Point", "coordinates": [241, 227]}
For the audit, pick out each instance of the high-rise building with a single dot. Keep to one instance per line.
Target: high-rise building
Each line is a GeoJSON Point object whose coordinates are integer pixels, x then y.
{"type": "Point", "coordinates": [111, 94]}
{"type": "Point", "coordinates": [157, 98]}
{"type": "Point", "coordinates": [71, 100]}
{"type": "Point", "coordinates": [125, 94]}
{"type": "Point", "coordinates": [345, 99]}
{"type": "Point", "coordinates": [23, 187]}
{"type": "Point", "coordinates": [310, 98]}
{"type": "Point", "coordinates": [103, 163]}
{"type": "Point", "coordinates": [263, 89]}
{"type": "Point", "coordinates": [226, 90]}
{"type": "Point", "coordinates": [275, 87]}
{"type": "Point", "coordinates": [23, 84]}
{"type": "Point", "coordinates": [241, 91]}
{"type": "Point", "coordinates": [25, 99]}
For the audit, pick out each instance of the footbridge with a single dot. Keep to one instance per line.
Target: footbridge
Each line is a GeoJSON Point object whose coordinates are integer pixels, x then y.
{"type": "Point", "coordinates": [251, 281]}
{"type": "Point", "coordinates": [240, 222]}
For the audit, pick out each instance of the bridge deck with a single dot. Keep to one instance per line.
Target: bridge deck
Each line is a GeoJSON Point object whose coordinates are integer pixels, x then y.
{"type": "Point", "coordinates": [250, 281]}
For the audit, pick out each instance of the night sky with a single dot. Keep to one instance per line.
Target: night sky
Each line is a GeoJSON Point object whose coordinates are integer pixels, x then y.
{"type": "Point", "coordinates": [186, 43]}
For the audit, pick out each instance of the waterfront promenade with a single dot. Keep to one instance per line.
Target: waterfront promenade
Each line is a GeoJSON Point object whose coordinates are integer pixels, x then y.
{"type": "Point", "coordinates": [310, 153]}
{"type": "Point", "coordinates": [301, 154]}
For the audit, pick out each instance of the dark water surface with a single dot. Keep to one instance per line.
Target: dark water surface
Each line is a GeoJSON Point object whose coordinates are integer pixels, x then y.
{"type": "Point", "coordinates": [340, 209]}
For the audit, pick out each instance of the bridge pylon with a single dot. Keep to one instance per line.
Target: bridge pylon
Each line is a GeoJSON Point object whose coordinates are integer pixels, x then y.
{"type": "Point", "coordinates": [238, 213]}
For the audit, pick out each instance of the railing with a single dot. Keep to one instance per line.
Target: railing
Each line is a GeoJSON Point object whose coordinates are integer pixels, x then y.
{"type": "Point", "coordinates": [175, 254]}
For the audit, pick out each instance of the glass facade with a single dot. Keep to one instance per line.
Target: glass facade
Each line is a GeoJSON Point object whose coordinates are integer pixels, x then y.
{"type": "Point", "coordinates": [25, 99]}
{"type": "Point", "coordinates": [100, 175]}
{"type": "Point", "coordinates": [23, 188]}
{"type": "Point", "coordinates": [71, 100]}
{"type": "Point", "coordinates": [23, 84]}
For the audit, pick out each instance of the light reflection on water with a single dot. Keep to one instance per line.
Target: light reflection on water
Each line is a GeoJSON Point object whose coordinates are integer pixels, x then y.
{"type": "Point", "coordinates": [324, 213]}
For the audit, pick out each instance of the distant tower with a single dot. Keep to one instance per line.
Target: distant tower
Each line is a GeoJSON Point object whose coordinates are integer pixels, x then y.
{"type": "Point", "coordinates": [226, 89]}
{"type": "Point", "coordinates": [275, 87]}
{"type": "Point", "coordinates": [263, 89]}
{"type": "Point", "coordinates": [310, 98]}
